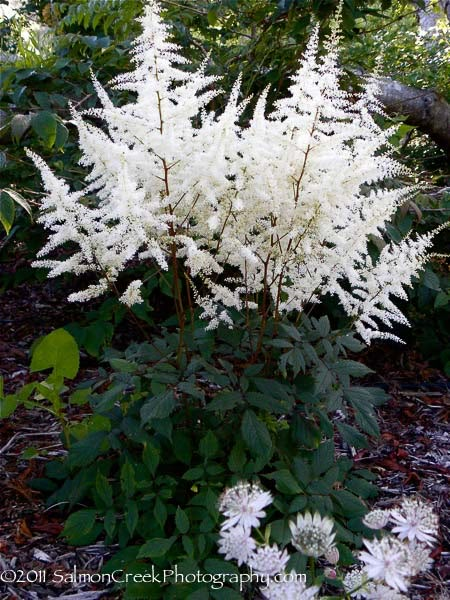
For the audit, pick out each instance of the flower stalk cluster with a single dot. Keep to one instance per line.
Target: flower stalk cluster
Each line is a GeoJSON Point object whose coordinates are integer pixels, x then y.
{"type": "Point", "coordinates": [394, 559]}
{"type": "Point", "coordinates": [243, 506]}
{"type": "Point", "coordinates": [387, 565]}
{"type": "Point", "coordinates": [273, 215]}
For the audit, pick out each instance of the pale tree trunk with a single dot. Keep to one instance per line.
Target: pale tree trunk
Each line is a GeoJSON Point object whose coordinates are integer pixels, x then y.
{"type": "Point", "coordinates": [429, 12]}
{"type": "Point", "coordinates": [425, 109]}
{"type": "Point", "coordinates": [445, 5]}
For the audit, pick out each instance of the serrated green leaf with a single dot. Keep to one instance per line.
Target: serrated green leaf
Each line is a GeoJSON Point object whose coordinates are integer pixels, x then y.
{"type": "Point", "coordinates": [181, 520]}
{"type": "Point", "coordinates": [224, 401]}
{"type": "Point", "coordinates": [265, 402]}
{"type": "Point", "coordinates": [352, 436]}
{"type": "Point", "coordinates": [160, 512]}
{"type": "Point", "coordinates": [351, 368]}
{"type": "Point", "coordinates": [208, 445]}
{"type": "Point", "coordinates": [323, 458]}
{"type": "Point", "coordinates": [193, 474]}
{"type": "Point", "coordinates": [79, 524]}
{"type": "Point", "coordinates": [237, 458]}
{"type": "Point", "coordinates": [127, 479]}
{"type": "Point", "coordinates": [285, 481]}
{"type": "Point", "coordinates": [442, 299]}
{"type": "Point", "coordinates": [158, 407]}
{"type": "Point", "coordinates": [109, 522]}
{"type": "Point", "coordinates": [256, 435]}
{"type": "Point", "coordinates": [361, 487]}
{"type": "Point", "coordinates": [122, 366]}
{"type": "Point", "coordinates": [86, 450]}
{"type": "Point", "coordinates": [156, 547]}
{"type": "Point", "coordinates": [351, 505]}
{"type": "Point", "coordinates": [151, 457]}
{"type": "Point", "coordinates": [280, 343]}
{"type": "Point", "coordinates": [103, 489]}
{"type": "Point", "coordinates": [131, 516]}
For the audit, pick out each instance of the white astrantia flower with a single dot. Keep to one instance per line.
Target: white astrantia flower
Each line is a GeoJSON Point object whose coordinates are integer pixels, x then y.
{"type": "Point", "coordinates": [237, 544]}
{"type": "Point", "coordinates": [386, 561]}
{"type": "Point", "coordinates": [268, 560]}
{"type": "Point", "coordinates": [419, 559]}
{"type": "Point", "coordinates": [383, 592]}
{"type": "Point", "coordinates": [356, 583]}
{"type": "Point", "coordinates": [289, 586]}
{"type": "Point", "coordinates": [243, 504]}
{"type": "Point", "coordinates": [415, 520]}
{"type": "Point", "coordinates": [312, 535]}
{"type": "Point", "coordinates": [377, 518]}
{"type": "Point", "coordinates": [288, 204]}
{"type": "Point", "coordinates": [132, 294]}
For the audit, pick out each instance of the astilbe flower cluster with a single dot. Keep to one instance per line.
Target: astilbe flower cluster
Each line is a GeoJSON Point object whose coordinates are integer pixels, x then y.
{"type": "Point", "coordinates": [387, 565]}
{"type": "Point", "coordinates": [282, 208]}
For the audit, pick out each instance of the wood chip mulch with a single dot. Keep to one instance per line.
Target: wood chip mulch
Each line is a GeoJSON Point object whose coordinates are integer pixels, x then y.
{"type": "Point", "coordinates": [411, 457]}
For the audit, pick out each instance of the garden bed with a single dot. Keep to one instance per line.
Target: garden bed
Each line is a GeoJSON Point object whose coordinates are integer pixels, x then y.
{"type": "Point", "coordinates": [412, 456]}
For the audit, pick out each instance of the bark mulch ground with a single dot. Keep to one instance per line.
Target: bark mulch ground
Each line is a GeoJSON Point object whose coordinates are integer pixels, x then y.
{"type": "Point", "coordinates": [411, 457]}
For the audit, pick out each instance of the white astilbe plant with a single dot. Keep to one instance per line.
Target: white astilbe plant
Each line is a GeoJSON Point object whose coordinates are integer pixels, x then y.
{"type": "Point", "coordinates": [279, 211]}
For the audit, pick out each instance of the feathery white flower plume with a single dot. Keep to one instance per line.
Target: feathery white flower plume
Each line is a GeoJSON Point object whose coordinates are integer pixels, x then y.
{"type": "Point", "coordinates": [287, 204]}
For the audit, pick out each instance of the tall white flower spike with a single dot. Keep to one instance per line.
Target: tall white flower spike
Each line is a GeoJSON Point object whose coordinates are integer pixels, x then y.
{"type": "Point", "coordinates": [287, 205]}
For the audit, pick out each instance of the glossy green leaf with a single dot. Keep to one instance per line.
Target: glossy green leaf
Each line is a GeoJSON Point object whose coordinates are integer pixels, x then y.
{"type": "Point", "coordinates": [45, 124]}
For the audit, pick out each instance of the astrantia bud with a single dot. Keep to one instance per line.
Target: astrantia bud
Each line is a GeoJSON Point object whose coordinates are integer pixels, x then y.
{"type": "Point", "coordinates": [332, 555]}
{"type": "Point", "coordinates": [330, 573]}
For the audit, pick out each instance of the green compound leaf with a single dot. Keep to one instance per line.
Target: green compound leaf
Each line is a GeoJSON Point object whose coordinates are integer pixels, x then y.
{"type": "Point", "coordinates": [256, 435]}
